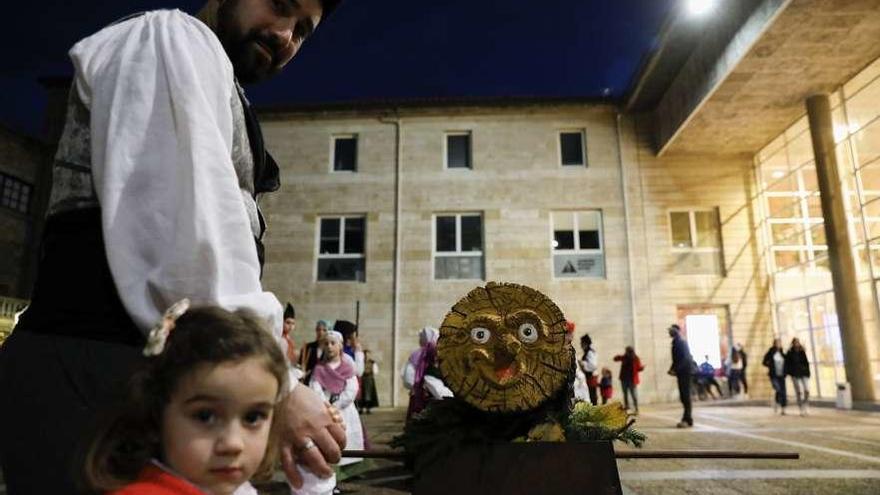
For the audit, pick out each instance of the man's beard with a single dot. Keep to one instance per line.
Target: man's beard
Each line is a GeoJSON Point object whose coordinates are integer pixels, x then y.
{"type": "Point", "coordinates": [247, 59]}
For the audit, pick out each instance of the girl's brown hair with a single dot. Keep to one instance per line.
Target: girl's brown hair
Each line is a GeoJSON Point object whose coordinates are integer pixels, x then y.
{"type": "Point", "coordinates": [206, 335]}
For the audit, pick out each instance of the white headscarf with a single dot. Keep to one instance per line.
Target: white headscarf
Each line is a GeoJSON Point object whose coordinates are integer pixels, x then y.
{"type": "Point", "coordinates": [428, 334]}
{"type": "Point", "coordinates": [334, 335]}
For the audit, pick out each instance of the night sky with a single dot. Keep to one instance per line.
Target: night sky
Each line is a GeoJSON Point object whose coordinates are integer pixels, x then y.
{"type": "Point", "coordinates": [373, 49]}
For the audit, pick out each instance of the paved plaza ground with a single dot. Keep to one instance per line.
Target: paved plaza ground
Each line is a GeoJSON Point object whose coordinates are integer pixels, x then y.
{"type": "Point", "coordinates": [840, 453]}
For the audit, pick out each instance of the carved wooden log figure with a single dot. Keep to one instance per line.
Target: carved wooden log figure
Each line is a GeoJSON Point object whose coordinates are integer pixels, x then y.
{"type": "Point", "coordinates": [503, 348]}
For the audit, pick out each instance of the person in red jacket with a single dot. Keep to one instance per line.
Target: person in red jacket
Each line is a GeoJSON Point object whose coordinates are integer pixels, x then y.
{"type": "Point", "coordinates": [630, 366]}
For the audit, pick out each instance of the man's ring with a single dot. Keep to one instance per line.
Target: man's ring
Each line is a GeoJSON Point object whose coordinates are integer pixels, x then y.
{"type": "Point", "coordinates": [310, 444]}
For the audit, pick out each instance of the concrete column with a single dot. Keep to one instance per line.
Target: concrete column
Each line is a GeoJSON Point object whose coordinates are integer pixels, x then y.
{"type": "Point", "coordinates": [843, 268]}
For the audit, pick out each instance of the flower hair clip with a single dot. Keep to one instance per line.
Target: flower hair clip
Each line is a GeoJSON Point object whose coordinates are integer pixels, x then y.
{"type": "Point", "coordinates": [160, 331]}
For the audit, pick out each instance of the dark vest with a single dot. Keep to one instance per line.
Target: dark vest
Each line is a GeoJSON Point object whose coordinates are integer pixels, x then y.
{"type": "Point", "coordinates": [74, 294]}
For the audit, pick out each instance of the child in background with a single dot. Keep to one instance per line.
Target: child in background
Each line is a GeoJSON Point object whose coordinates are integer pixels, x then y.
{"type": "Point", "coordinates": [336, 380]}
{"type": "Point", "coordinates": [605, 385]}
{"type": "Point", "coordinates": [199, 415]}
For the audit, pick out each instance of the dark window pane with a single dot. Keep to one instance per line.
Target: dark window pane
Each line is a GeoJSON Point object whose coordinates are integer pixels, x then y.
{"type": "Point", "coordinates": [564, 239]}
{"type": "Point", "coordinates": [572, 148]}
{"type": "Point", "coordinates": [589, 239]}
{"type": "Point", "coordinates": [680, 224]}
{"type": "Point", "coordinates": [445, 234]}
{"type": "Point", "coordinates": [14, 194]}
{"type": "Point", "coordinates": [354, 235]}
{"type": "Point", "coordinates": [472, 233]}
{"type": "Point", "coordinates": [329, 236]}
{"type": "Point", "coordinates": [345, 154]}
{"type": "Point", "coordinates": [458, 151]}
{"type": "Point", "coordinates": [341, 269]}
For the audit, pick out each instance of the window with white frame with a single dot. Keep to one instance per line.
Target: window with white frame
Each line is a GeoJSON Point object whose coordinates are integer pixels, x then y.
{"type": "Point", "coordinates": [345, 153]}
{"type": "Point", "coordinates": [572, 151]}
{"type": "Point", "coordinates": [341, 243]}
{"type": "Point", "coordinates": [696, 242]}
{"type": "Point", "coordinates": [458, 150]}
{"type": "Point", "coordinates": [577, 244]}
{"type": "Point", "coordinates": [15, 194]}
{"type": "Point", "coordinates": [458, 246]}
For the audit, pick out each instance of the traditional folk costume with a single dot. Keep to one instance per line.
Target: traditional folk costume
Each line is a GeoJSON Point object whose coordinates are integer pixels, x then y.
{"type": "Point", "coordinates": [369, 398]}
{"type": "Point", "coordinates": [154, 198]}
{"type": "Point", "coordinates": [421, 375]}
{"type": "Point", "coordinates": [339, 386]}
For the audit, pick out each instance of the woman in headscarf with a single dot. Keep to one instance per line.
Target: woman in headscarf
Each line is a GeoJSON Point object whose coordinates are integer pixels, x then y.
{"type": "Point", "coordinates": [421, 375]}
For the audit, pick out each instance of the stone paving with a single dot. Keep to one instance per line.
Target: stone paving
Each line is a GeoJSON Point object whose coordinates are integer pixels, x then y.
{"type": "Point", "coordinates": [839, 453]}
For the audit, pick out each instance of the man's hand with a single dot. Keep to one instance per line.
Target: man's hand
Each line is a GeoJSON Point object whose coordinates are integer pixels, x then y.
{"type": "Point", "coordinates": [310, 435]}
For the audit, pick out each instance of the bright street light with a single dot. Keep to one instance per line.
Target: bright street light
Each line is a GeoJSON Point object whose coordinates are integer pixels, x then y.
{"type": "Point", "coordinates": [699, 7]}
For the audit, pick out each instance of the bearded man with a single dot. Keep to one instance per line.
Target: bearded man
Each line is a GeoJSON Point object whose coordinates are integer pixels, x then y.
{"type": "Point", "coordinates": [154, 199]}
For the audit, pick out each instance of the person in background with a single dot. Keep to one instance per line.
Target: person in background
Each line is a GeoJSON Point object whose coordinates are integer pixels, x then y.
{"type": "Point", "coordinates": [707, 379]}
{"type": "Point", "coordinates": [421, 376]}
{"type": "Point", "coordinates": [734, 372]}
{"type": "Point", "coordinates": [798, 367]}
{"type": "Point", "coordinates": [774, 360]}
{"type": "Point", "coordinates": [745, 362]}
{"type": "Point", "coordinates": [589, 364]}
{"type": "Point", "coordinates": [309, 355]}
{"type": "Point", "coordinates": [630, 367]}
{"type": "Point", "coordinates": [334, 379]}
{"type": "Point", "coordinates": [351, 343]}
{"type": "Point", "coordinates": [606, 386]}
{"type": "Point", "coordinates": [369, 398]}
{"type": "Point", "coordinates": [682, 370]}
{"type": "Point", "coordinates": [287, 333]}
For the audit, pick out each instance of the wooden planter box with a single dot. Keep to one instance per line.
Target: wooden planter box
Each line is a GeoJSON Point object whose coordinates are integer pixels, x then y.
{"type": "Point", "coordinates": [524, 469]}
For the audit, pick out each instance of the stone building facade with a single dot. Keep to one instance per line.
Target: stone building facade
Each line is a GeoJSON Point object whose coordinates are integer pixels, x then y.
{"type": "Point", "coordinates": [21, 160]}
{"type": "Point", "coordinates": [674, 213]}
{"type": "Point", "coordinates": [623, 280]}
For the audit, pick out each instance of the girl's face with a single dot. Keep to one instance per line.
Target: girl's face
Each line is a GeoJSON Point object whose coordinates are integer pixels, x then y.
{"type": "Point", "coordinates": [215, 427]}
{"type": "Point", "coordinates": [332, 347]}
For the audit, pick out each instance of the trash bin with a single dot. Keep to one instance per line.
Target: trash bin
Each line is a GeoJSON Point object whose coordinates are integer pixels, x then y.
{"type": "Point", "coordinates": [844, 396]}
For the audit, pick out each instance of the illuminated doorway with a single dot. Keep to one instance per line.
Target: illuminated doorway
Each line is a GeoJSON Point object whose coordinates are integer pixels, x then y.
{"type": "Point", "coordinates": [707, 330]}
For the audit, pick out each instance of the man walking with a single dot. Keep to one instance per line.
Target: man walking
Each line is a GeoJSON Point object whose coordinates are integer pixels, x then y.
{"type": "Point", "coordinates": [682, 370]}
{"type": "Point", "coordinates": [154, 199]}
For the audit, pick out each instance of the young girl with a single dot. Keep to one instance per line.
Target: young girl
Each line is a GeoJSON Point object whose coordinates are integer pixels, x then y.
{"type": "Point", "coordinates": [605, 385]}
{"type": "Point", "coordinates": [199, 415]}
{"type": "Point", "coordinates": [334, 377]}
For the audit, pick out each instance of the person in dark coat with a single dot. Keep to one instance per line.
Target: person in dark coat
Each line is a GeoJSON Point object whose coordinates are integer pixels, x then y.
{"type": "Point", "coordinates": [745, 362]}
{"type": "Point", "coordinates": [682, 369]}
{"type": "Point", "coordinates": [308, 356]}
{"type": "Point", "coordinates": [798, 367]}
{"type": "Point", "coordinates": [774, 360]}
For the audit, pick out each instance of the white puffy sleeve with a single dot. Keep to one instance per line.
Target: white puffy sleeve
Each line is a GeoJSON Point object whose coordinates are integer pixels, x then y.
{"type": "Point", "coordinates": [159, 88]}
{"type": "Point", "coordinates": [409, 375]}
{"type": "Point", "coordinates": [359, 363]}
